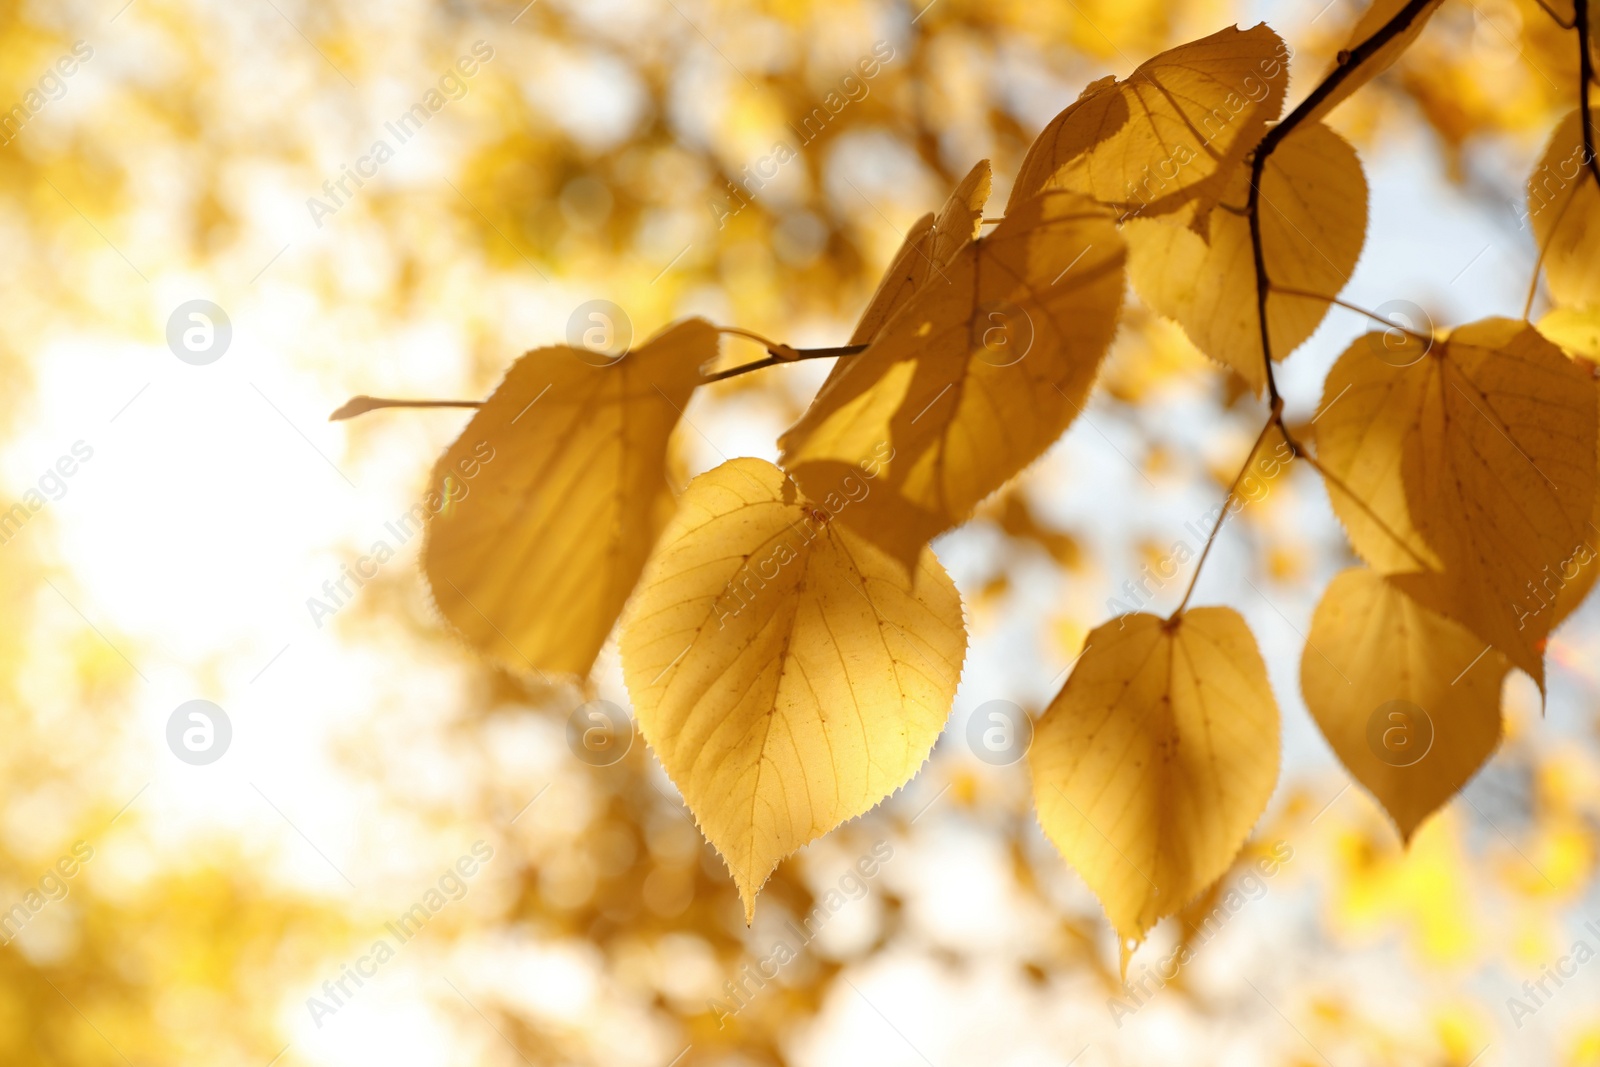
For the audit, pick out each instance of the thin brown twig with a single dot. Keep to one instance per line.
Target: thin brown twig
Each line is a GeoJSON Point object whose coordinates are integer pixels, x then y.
{"type": "Point", "coordinates": [1275, 136]}
{"type": "Point", "coordinates": [1222, 515]}
{"type": "Point", "coordinates": [775, 359]}
{"type": "Point", "coordinates": [1286, 291]}
{"type": "Point", "coordinates": [1580, 19]}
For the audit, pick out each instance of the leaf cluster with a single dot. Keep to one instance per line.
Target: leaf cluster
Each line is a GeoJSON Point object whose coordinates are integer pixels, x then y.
{"type": "Point", "coordinates": [790, 642]}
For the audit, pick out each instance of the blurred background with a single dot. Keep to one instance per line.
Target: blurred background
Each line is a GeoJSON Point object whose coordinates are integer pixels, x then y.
{"type": "Point", "coordinates": [165, 910]}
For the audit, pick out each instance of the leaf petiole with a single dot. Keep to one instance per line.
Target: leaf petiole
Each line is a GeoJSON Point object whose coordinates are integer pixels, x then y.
{"type": "Point", "coordinates": [1233, 489]}
{"type": "Point", "coordinates": [782, 354]}
{"type": "Point", "coordinates": [360, 405]}
{"type": "Point", "coordinates": [1374, 316]}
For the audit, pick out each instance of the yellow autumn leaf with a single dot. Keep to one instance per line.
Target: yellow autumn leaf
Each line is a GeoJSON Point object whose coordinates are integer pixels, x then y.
{"type": "Point", "coordinates": [929, 247]}
{"type": "Point", "coordinates": [1170, 133]}
{"type": "Point", "coordinates": [1570, 583]}
{"type": "Point", "coordinates": [788, 674]}
{"type": "Point", "coordinates": [1408, 699]}
{"type": "Point", "coordinates": [1499, 479]}
{"type": "Point", "coordinates": [534, 558]}
{"type": "Point", "coordinates": [1564, 210]}
{"type": "Point", "coordinates": [1155, 760]}
{"type": "Point", "coordinates": [972, 380]}
{"type": "Point", "coordinates": [1373, 61]}
{"type": "Point", "coordinates": [1313, 207]}
{"type": "Point", "coordinates": [1368, 412]}
{"type": "Point", "coordinates": [1576, 330]}
{"type": "Point", "coordinates": [1466, 467]}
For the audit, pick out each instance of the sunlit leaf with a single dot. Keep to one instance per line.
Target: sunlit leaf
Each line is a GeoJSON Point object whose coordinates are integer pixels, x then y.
{"type": "Point", "coordinates": [553, 496]}
{"type": "Point", "coordinates": [972, 380]}
{"type": "Point", "coordinates": [1313, 207]}
{"type": "Point", "coordinates": [928, 248]}
{"type": "Point", "coordinates": [1564, 210]}
{"type": "Point", "coordinates": [1168, 135]}
{"type": "Point", "coordinates": [1367, 414]}
{"type": "Point", "coordinates": [1409, 700]}
{"type": "Point", "coordinates": [1155, 760]}
{"type": "Point", "coordinates": [1500, 480]}
{"type": "Point", "coordinates": [1575, 330]}
{"type": "Point", "coordinates": [788, 673]}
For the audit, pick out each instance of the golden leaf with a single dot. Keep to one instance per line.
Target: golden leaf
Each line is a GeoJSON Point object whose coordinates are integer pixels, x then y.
{"type": "Point", "coordinates": [1368, 412]}
{"type": "Point", "coordinates": [534, 556]}
{"type": "Point", "coordinates": [1578, 334]}
{"type": "Point", "coordinates": [928, 248]}
{"type": "Point", "coordinates": [1170, 133]}
{"type": "Point", "coordinates": [1574, 578]}
{"type": "Point", "coordinates": [1576, 330]}
{"type": "Point", "coordinates": [1155, 760]}
{"type": "Point", "coordinates": [789, 674]}
{"type": "Point", "coordinates": [1496, 437]}
{"type": "Point", "coordinates": [1313, 207]}
{"type": "Point", "coordinates": [972, 380]}
{"type": "Point", "coordinates": [1408, 699]}
{"type": "Point", "coordinates": [1564, 209]}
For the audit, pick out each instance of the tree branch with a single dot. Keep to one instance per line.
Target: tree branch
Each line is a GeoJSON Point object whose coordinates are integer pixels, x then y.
{"type": "Point", "coordinates": [1585, 76]}
{"type": "Point", "coordinates": [783, 357]}
{"type": "Point", "coordinates": [1275, 136]}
